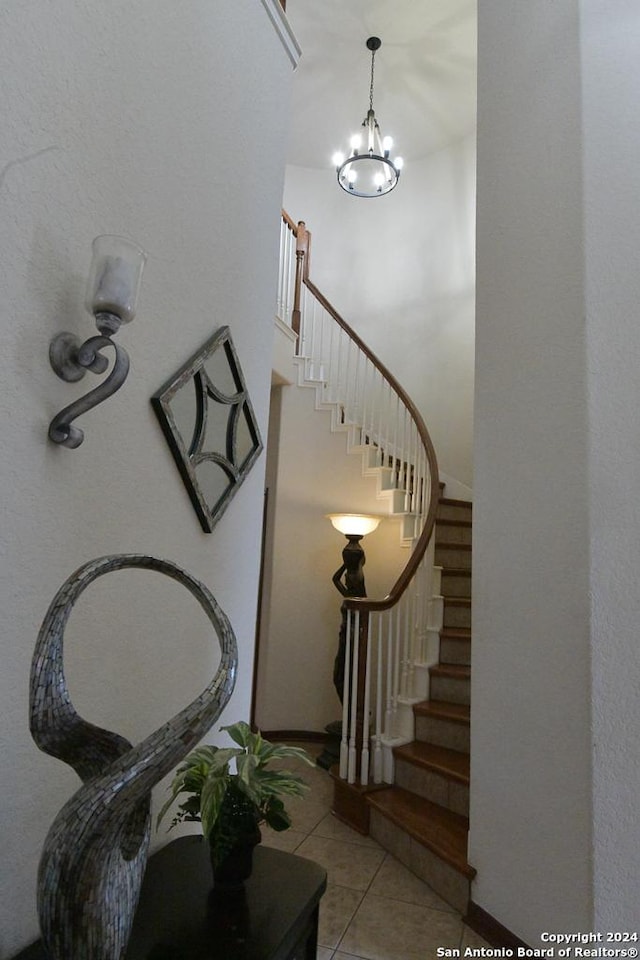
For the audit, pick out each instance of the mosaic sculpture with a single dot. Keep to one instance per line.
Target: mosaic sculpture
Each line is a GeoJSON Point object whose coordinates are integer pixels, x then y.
{"type": "Point", "coordinates": [95, 853]}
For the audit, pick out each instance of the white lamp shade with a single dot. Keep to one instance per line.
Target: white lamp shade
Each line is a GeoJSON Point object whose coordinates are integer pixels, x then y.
{"type": "Point", "coordinates": [354, 524]}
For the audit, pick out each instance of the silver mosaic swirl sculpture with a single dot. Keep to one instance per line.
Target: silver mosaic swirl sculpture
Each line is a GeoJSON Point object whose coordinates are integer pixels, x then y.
{"type": "Point", "coordinates": [95, 853]}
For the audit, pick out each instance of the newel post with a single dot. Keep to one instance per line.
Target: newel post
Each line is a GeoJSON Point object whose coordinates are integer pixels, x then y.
{"type": "Point", "coordinates": [302, 249]}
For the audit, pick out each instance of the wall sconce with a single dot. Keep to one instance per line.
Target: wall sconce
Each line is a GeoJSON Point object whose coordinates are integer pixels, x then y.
{"type": "Point", "coordinates": [112, 292]}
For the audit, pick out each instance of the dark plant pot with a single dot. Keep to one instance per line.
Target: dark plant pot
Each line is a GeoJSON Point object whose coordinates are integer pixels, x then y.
{"type": "Point", "coordinates": [230, 874]}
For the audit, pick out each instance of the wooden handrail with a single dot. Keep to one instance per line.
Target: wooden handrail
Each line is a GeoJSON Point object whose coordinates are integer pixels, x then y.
{"type": "Point", "coordinates": [289, 222]}
{"type": "Point", "coordinates": [364, 604]}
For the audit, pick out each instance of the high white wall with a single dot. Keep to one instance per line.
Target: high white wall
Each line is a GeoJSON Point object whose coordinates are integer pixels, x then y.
{"type": "Point", "coordinates": [400, 269]}
{"type": "Point", "coordinates": [611, 76]}
{"type": "Point", "coordinates": [555, 712]}
{"type": "Point", "coordinates": [121, 118]}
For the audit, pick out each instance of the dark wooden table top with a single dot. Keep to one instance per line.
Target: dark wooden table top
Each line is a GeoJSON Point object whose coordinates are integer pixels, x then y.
{"type": "Point", "coordinates": [180, 916]}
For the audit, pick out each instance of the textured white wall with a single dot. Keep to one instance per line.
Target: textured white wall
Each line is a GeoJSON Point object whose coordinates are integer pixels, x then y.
{"type": "Point", "coordinates": [531, 833]}
{"type": "Point", "coordinates": [401, 271]}
{"type": "Point", "coordinates": [611, 76]}
{"type": "Point", "coordinates": [113, 117]}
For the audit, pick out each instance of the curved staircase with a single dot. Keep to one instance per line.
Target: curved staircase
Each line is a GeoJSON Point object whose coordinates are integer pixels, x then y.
{"type": "Point", "coordinates": [407, 662]}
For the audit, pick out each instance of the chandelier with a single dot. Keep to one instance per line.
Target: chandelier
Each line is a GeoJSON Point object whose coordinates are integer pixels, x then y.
{"type": "Point", "coordinates": [368, 171]}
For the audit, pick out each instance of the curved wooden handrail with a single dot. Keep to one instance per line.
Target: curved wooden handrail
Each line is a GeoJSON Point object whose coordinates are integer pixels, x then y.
{"type": "Point", "coordinates": [365, 604]}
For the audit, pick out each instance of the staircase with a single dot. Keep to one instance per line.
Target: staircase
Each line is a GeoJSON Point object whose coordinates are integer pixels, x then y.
{"type": "Point", "coordinates": [405, 718]}
{"type": "Point", "coordinates": [423, 818]}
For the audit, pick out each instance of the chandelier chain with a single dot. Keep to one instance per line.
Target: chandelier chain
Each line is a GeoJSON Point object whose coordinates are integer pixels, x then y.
{"type": "Point", "coordinates": [373, 57]}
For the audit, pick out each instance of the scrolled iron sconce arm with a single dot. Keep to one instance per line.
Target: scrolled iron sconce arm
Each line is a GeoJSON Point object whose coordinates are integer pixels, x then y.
{"type": "Point", "coordinates": [71, 361]}
{"type": "Point", "coordinates": [112, 291]}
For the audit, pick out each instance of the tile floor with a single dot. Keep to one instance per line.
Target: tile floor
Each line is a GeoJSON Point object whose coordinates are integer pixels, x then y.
{"type": "Point", "coordinates": [374, 908]}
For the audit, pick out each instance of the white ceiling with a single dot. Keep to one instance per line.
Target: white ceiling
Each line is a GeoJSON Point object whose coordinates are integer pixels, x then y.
{"type": "Point", "coordinates": [425, 74]}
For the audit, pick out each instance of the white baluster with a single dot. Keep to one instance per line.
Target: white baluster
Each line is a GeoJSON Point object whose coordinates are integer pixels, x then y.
{"type": "Point", "coordinates": [396, 430]}
{"type": "Point", "coordinates": [357, 382]}
{"type": "Point", "coordinates": [388, 716]}
{"type": "Point", "coordinates": [411, 592]}
{"type": "Point", "coordinates": [382, 440]}
{"type": "Point", "coordinates": [364, 759]}
{"type": "Point", "coordinates": [289, 278]}
{"type": "Point", "coordinates": [364, 404]}
{"type": "Point", "coordinates": [403, 631]}
{"type": "Point", "coordinates": [321, 363]}
{"type": "Point", "coordinates": [348, 380]}
{"type": "Point", "coordinates": [279, 311]}
{"type": "Point", "coordinates": [344, 747]}
{"type": "Point", "coordinates": [342, 368]}
{"type": "Point", "coordinates": [331, 366]}
{"type": "Point", "coordinates": [377, 749]}
{"type": "Point", "coordinates": [396, 672]}
{"type": "Point", "coordinates": [304, 323]}
{"type": "Point", "coordinates": [351, 774]}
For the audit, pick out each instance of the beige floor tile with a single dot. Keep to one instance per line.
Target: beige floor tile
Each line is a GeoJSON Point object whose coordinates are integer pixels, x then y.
{"type": "Point", "coordinates": [287, 840]}
{"type": "Point", "coordinates": [334, 829]}
{"type": "Point", "coordinates": [347, 864]}
{"type": "Point", "coordinates": [306, 812]}
{"type": "Point", "coordinates": [393, 880]}
{"type": "Point", "coordinates": [472, 939]}
{"type": "Point", "coordinates": [384, 929]}
{"type": "Point", "coordinates": [345, 956]}
{"type": "Point", "coordinates": [337, 907]}
{"type": "Point", "coordinates": [324, 953]}
{"type": "Point", "coordinates": [320, 784]}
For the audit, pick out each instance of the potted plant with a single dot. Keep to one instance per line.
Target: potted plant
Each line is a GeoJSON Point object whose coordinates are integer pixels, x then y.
{"type": "Point", "coordinates": [231, 806]}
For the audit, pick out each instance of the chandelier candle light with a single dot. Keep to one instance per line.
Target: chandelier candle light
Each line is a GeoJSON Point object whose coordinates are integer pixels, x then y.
{"type": "Point", "coordinates": [368, 170]}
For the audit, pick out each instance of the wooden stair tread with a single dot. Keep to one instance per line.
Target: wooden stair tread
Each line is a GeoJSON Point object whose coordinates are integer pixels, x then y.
{"type": "Point", "coordinates": [457, 671]}
{"type": "Point", "coordinates": [452, 545]}
{"type": "Point", "coordinates": [455, 633]}
{"type": "Point", "coordinates": [445, 522]}
{"type": "Point", "coordinates": [440, 830]}
{"type": "Point", "coordinates": [449, 763]}
{"type": "Point", "coordinates": [444, 710]}
{"type": "Point", "coordinates": [456, 572]}
{"type": "Point", "coordinates": [458, 601]}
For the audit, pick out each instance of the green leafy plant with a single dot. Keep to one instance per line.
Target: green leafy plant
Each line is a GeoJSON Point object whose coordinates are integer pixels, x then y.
{"type": "Point", "coordinates": [231, 805]}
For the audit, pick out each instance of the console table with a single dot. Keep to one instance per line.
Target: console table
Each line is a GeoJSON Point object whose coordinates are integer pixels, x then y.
{"type": "Point", "coordinates": [180, 916]}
